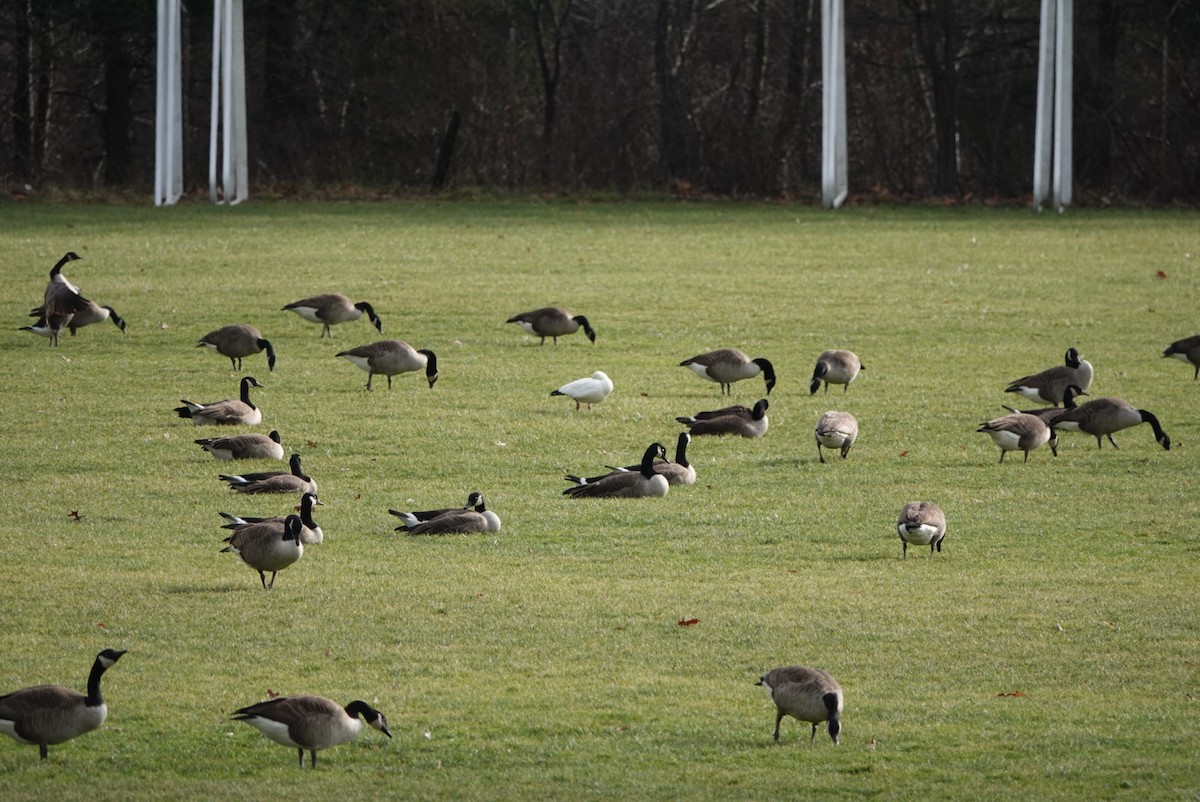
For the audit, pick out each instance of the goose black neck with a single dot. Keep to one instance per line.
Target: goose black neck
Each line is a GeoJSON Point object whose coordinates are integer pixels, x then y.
{"type": "Point", "coordinates": [306, 508]}
{"type": "Point", "coordinates": [648, 461]}
{"type": "Point", "coordinates": [681, 449]}
{"type": "Point", "coordinates": [247, 383]}
{"type": "Point", "coordinates": [294, 462]}
{"type": "Point", "coordinates": [358, 708]}
{"type": "Point", "coordinates": [94, 699]}
{"type": "Point", "coordinates": [1159, 434]}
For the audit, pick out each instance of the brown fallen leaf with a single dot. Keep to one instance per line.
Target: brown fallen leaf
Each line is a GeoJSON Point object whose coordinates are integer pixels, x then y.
{"type": "Point", "coordinates": [1011, 695]}
{"type": "Point", "coordinates": [272, 694]}
{"type": "Point", "coordinates": [688, 622]}
{"type": "Point", "coordinates": [75, 516]}
{"type": "Point", "coordinates": [1161, 274]}
{"type": "Point", "coordinates": [904, 453]}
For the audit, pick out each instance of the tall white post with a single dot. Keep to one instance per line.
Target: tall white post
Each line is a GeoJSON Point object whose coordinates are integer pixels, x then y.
{"type": "Point", "coordinates": [834, 182]}
{"type": "Point", "coordinates": [1053, 128]}
{"type": "Point", "coordinates": [230, 161]}
{"type": "Point", "coordinates": [168, 110]}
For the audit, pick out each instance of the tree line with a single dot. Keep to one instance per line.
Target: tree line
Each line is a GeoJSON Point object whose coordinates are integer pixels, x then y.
{"type": "Point", "coordinates": [719, 97]}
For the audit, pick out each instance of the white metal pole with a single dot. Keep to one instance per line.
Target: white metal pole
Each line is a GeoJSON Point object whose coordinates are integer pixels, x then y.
{"type": "Point", "coordinates": [1063, 96]}
{"type": "Point", "coordinates": [240, 168]}
{"type": "Point", "coordinates": [1044, 123]}
{"type": "Point", "coordinates": [215, 116]}
{"type": "Point", "coordinates": [833, 104]}
{"type": "Point", "coordinates": [160, 102]}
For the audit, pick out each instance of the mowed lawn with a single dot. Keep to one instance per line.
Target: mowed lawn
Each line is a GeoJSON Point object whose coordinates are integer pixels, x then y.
{"type": "Point", "coordinates": [1050, 651]}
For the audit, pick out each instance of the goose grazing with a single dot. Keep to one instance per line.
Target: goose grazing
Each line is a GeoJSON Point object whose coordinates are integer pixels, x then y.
{"type": "Point", "coordinates": [87, 312]}
{"type": "Point", "coordinates": [463, 522]}
{"type": "Point", "coordinates": [1104, 416]}
{"type": "Point", "coordinates": [310, 535]}
{"type": "Point", "coordinates": [677, 472]}
{"type": "Point", "coordinates": [552, 321]}
{"type": "Point", "coordinates": [589, 390]}
{"type": "Point", "coordinates": [474, 501]}
{"type": "Point", "coordinates": [1050, 385]}
{"type": "Point", "coordinates": [921, 523]}
{"type": "Point", "coordinates": [392, 357]}
{"type": "Point", "coordinates": [730, 420]}
{"type": "Point", "coordinates": [627, 484]}
{"type": "Point", "coordinates": [333, 308]}
{"type": "Point", "coordinates": [224, 413]}
{"type": "Point", "coordinates": [237, 342]}
{"type": "Point", "coordinates": [243, 446]}
{"type": "Point", "coordinates": [1187, 350]}
{"type": "Point", "coordinates": [1049, 413]}
{"type": "Point", "coordinates": [1018, 431]}
{"type": "Point", "coordinates": [835, 367]}
{"type": "Point", "coordinates": [273, 481]}
{"type": "Point", "coordinates": [728, 365]}
{"type": "Point", "coordinates": [805, 694]}
{"type": "Point", "coordinates": [51, 714]}
{"type": "Point", "coordinates": [265, 547]}
{"type": "Point", "coordinates": [836, 430]}
{"type": "Point", "coordinates": [311, 722]}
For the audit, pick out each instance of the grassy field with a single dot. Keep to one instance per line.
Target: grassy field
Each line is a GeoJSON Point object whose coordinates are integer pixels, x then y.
{"type": "Point", "coordinates": [1051, 650]}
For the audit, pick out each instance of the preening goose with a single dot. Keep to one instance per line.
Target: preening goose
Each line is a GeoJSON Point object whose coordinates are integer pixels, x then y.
{"type": "Point", "coordinates": [390, 358]}
{"type": "Point", "coordinates": [728, 365]}
{"type": "Point", "coordinates": [265, 547]}
{"type": "Point", "coordinates": [1049, 385]}
{"type": "Point", "coordinates": [678, 472]}
{"type": "Point", "coordinates": [835, 367]}
{"type": "Point", "coordinates": [589, 390]}
{"type": "Point", "coordinates": [627, 484]}
{"type": "Point", "coordinates": [311, 722]}
{"type": "Point", "coordinates": [464, 522]}
{"type": "Point", "coordinates": [736, 420]}
{"type": "Point", "coordinates": [1049, 413]}
{"type": "Point", "coordinates": [225, 413]}
{"type": "Point", "coordinates": [237, 342]}
{"type": "Point", "coordinates": [1104, 416]}
{"type": "Point", "coordinates": [273, 481]}
{"type": "Point", "coordinates": [474, 500]}
{"type": "Point", "coordinates": [921, 523]}
{"type": "Point", "coordinates": [51, 714]}
{"type": "Point", "coordinates": [836, 430]}
{"type": "Point", "coordinates": [1018, 431]}
{"type": "Point", "coordinates": [805, 694]}
{"type": "Point", "coordinates": [243, 446]}
{"type": "Point", "coordinates": [552, 321]}
{"type": "Point", "coordinates": [1187, 350]}
{"type": "Point", "coordinates": [333, 308]}
{"type": "Point", "coordinates": [310, 535]}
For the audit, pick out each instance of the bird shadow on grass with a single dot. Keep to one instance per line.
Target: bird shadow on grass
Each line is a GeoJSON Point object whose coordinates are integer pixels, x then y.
{"type": "Point", "coordinates": [193, 589]}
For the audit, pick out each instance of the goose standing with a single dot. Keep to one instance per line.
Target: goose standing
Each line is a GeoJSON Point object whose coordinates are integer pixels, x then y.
{"type": "Point", "coordinates": [390, 358]}
{"type": "Point", "coordinates": [1047, 414]}
{"type": "Point", "coordinates": [1050, 385]}
{"type": "Point", "coordinates": [333, 308]}
{"type": "Point", "coordinates": [728, 365]}
{"type": "Point", "coordinates": [921, 523]}
{"type": "Point", "coordinates": [240, 412]}
{"type": "Point", "coordinates": [621, 484]}
{"type": "Point", "coordinates": [1104, 416]}
{"type": "Point", "coordinates": [677, 472]}
{"type": "Point", "coordinates": [1187, 350]}
{"type": "Point", "coordinates": [61, 301]}
{"type": "Point", "coordinates": [311, 722]}
{"type": "Point", "coordinates": [835, 366]}
{"type": "Point", "coordinates": [474, 500]}
{"type": "Point", "coordinates": [237, 342]}
{"type": "Point", "coordinates": [463, 522]}
{"type": "Point", "coordinates": [1018, 431]}
{"type": "Point", "coordinates": [552, 321]}
{"type": "Point", "coordinates": [51, 714]}
{"type": "Point", "coordinates": [273, 481]}
{"type": "Point", "coordinates": [310, 535]}
{"type": "Point", "coordinates": [836, 430]}
{"type": "Point", "coordinates": [264, 547]}
{"type": "Point", "coordinates": [87, 312]}
{"type": "Point", "coordinates": [588, 390]}
{"type": "Point", "coordinates": [729, 420]}
{"type": "Point", "coordinates": [243, 446]}
{"type": "Point", "coordinates": [806, 694]}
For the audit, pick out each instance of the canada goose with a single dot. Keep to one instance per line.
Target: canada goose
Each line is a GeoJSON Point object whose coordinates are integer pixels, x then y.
{"type": "Point", "coordinates": [835, 367]}
{"type": "Point", "coordinates": [1049, 385]}
{"type": "Point", "coordinates": [836, 430]}
{"type": "Point", "coordinates": [730, 420]}
{"type": "Point", "coordinates": [1103, 416]}
{"type": "Point", "coordinates": [60, 302]}
{"type": "Point", "coordinates": [677, 472]}
{"type": "Point", "coordinates": [728, 365]}
{"type": "Point", "coordinates": [264, 547]}
{"type": "Point", "coordinates": [921, 523]}
{"type": "Point", "coordinates": [1049, 413]}
{"type": "Point", "coordinates": [52, 714]}
{"type": "Point", "coordinates": [392, 357]}
{"type": "Point", "coordinates": [310, 722]}
{"type": "Point", "coordinates": [88, 312]}
{"type": "Point", "coordinates": [805, 694]}
{"type": "Point", "coordinates": [622, 484]}
{"type": "Point", "coordinates": [273, 481]}
{"type": "Point", "coordinates": [333, 308]}
{"type": "Point", "coordinates": [56, 276]}
{"type": "Point", "coordinates": [237, 342]}
{"type": "Point", "coordinates": [552, 321]}
{"type": "Point", "coordinates": [1018, 431]}
{"type": "Point", "coordinates": [243, 446]}
{"type": "Point", "coordinates": [464, 522]}
{"type": "Point", "coordinates": [589, 390]}
{"type": "Point", "coordinates": [224, 413]}
{"type": "Point", "coordinates": [474, 501]}
{"type": "Point", "coordinates": [1187, 350]}
{"type": "Point", "coordinates": [310, 535]}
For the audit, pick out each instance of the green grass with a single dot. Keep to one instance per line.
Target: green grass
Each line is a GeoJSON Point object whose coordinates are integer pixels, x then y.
{"type": "Point", "coordinates": [546, 662]}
